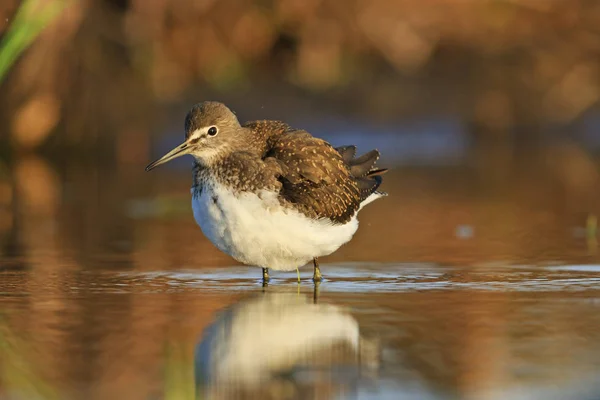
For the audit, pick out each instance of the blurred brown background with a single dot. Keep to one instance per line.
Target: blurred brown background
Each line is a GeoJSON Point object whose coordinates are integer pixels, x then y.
{"type": "Point", "coordinates": [107, 74]}
{"type": "Point", "coordinates": [486, 111]}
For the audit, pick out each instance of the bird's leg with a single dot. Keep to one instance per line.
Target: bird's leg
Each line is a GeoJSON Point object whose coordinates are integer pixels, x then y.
{"type": "Point", "coordinates": [317, 274]}
{"type": "Point", "coordinates": [316, 292]}
{"type": "Point", "coordinates": [298, 272]}
{"type": "Point", "coordinates": [265, 276]}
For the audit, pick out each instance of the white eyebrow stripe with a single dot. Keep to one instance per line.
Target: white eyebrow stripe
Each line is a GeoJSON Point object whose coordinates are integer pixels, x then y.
{"type": "Point", "coordinates": [198, 133]}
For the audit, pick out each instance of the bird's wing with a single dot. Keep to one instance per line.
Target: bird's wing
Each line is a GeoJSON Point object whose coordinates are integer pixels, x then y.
{"type": "Point", "coordinates": [314, 177]}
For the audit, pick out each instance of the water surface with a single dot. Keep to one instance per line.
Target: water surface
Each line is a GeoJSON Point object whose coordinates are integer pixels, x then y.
{"type": "Point", "coordinates": [475, 280]}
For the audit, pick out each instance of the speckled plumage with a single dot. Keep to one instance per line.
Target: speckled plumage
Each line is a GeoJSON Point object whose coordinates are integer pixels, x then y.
{"type": "Point", "coordinates": [270, 195]}
{"type": "Point", "coordinates": [311, 176]}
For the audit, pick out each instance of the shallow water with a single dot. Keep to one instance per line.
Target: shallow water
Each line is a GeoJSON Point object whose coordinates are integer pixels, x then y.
{"type": "Point", "coordinates": [474, 281]}
{"type": "Point", "coordinates": [436, 332]}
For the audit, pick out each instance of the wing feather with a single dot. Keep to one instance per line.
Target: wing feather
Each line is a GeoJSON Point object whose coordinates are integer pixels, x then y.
{"type": "Point", "coordinates": [315, 177]}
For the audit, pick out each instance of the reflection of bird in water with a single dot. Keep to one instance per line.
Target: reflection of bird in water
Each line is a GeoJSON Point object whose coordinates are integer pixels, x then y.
{"type": "Point", "coordinates": [270, 195]}
{"type": "Point", "coordinates": [282, 346]}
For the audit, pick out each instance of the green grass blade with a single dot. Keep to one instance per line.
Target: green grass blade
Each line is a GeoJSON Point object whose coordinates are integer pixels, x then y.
{"type": "Point", "coordinates": [31, 19]}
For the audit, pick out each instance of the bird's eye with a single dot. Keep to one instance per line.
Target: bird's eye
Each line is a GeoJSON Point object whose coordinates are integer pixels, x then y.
{"type": "Point", "coordinates": [212, 131]}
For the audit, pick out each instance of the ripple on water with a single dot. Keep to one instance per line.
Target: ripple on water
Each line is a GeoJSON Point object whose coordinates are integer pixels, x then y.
{"type": "Point", "coordinates": [355, 277]}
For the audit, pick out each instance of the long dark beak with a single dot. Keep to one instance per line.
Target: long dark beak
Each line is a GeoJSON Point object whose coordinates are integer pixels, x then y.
{"type": "Point", "coordinates": [178, 151]}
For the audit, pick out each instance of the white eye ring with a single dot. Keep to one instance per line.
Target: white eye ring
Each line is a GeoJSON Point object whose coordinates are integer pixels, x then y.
{"type": "Point", "coordinates": [212, 131]}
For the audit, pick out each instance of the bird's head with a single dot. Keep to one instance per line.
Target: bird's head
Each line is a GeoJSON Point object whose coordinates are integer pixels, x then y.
{"type": "Point", "coordinates": [211, 131]}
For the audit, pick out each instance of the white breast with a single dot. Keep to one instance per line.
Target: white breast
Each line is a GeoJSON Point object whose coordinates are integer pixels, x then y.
{"type": "Point", "coordinates": [257, 230]}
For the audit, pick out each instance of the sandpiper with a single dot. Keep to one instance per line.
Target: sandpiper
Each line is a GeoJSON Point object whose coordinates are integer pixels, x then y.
{"type": "Point", "coordinates": [270, 195]}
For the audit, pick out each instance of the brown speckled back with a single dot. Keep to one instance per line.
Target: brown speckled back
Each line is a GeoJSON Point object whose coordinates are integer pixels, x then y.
{"type": "Point", "coordinates": [310, 175]}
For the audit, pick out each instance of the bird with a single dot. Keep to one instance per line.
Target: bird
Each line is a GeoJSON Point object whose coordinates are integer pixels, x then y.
{"type": "Point", "coordinates": [270, 195]}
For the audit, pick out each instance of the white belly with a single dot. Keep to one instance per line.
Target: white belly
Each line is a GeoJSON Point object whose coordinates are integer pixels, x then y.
{"type": "Point", "coordinates": [256, 230]}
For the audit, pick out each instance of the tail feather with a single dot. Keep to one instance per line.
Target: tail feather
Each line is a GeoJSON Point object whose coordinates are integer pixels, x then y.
{"type": "Point", "coordinates": [368, 185]}
{"type": "Point", "coordinates": [347, 153]}
{"type": "Point", "coordinates": [377, 172]}
{"type": "Point", "coordinates": [362, 168]}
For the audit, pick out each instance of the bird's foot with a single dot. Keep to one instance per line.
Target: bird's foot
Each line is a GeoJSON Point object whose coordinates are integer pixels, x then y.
{"type": "Point", "coordinates": [266, 277]}
{"type": "Point", "coordinates": [317, 277]}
